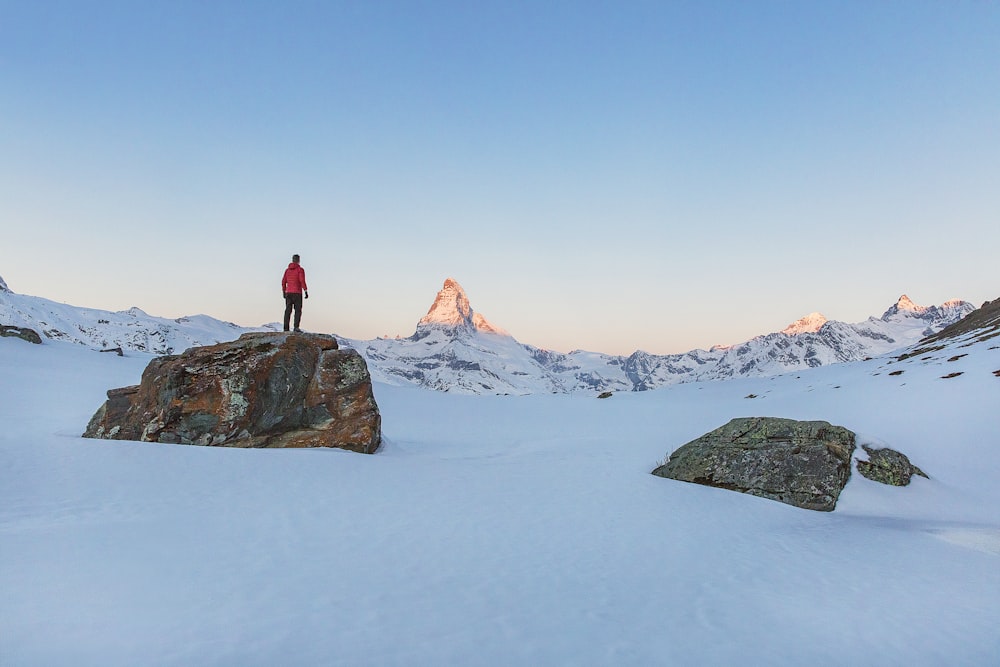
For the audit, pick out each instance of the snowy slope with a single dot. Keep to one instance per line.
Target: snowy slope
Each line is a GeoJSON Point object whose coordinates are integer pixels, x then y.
{"type": "Point", "coordinates": [130, 329]}
{"type": "Point", "coordinates": [496, 530]}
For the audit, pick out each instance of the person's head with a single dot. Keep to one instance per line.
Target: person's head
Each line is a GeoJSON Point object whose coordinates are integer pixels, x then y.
{"type": "Point", "coordinates": [295, 258]}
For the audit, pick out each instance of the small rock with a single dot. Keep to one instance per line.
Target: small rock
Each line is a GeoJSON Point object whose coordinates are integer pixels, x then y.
{"type": "Point", "coordinates": [606, 394]}
{"type": "Point", "coordinates": [29, 335]}
{"type": "Point", "coordinates": [888, 467]}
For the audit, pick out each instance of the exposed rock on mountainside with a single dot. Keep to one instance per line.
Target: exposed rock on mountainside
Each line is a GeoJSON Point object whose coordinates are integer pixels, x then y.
{"type": "Point", "coordinates": [23, 333]}
{"type": "Point", "coordinates": [982, 323]}
{"type": "Point", "coordinates": [801, 463]}
{"type": "Point", "coordinates": [888, 467]}
{"type": "Point", "coordinates": [3, 285]}
{"type": "Point", "coordinates": [263, 390]}
{"type": "Point", "coordinates": [451, 311]}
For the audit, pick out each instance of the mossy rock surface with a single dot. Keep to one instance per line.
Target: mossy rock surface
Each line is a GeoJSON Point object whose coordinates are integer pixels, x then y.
{"type": "Point", "coordinates": [888, 467]}
{"type": "Point", "coordinates": [24, 333]}
{"type": "Point", "coordinates": [801, 463]}
{"type": "Point", "coordinates": [264, 390]}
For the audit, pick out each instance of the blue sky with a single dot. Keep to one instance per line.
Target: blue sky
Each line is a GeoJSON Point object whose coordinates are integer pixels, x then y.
{"type": "Point", "coordinates": [598, 175]}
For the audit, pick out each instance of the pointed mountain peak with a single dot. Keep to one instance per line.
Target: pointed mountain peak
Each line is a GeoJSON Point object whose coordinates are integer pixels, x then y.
{"type": "Point", "coordinates": [904, 307]}
{"type": "Point", "coordinates": [3, 286]}
{"type": "Point", "coordinates": [451, 310]}
{"type": "Point", "coordinates": [451, 306]}
{"type": "Point", "coordinates": [809, 324]}
{"type": "Point", "coordinates": [904, 303]}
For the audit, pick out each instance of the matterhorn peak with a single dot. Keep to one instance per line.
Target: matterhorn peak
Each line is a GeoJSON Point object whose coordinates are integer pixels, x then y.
{"type": "Point", "coordinates": [904, 303]}
{"type": "Point", "coordinates": [811, 323]}
{"type": "Point", "coordinates": [3, 285]}
{"type": "Point", "coordinates": [451, 310]}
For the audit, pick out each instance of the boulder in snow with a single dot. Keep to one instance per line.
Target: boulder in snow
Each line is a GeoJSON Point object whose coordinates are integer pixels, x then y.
{"type": "Point", "coordinates": [263, 390]}
{"type": "Point", "coordinates": [802, 463]}
{"type": "Point", "coordinates": [23, 333]}
{"type": "Point", "coordinates": [888, 466]}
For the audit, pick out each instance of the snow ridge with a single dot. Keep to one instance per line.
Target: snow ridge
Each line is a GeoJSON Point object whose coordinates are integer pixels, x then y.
{"type": "Point", "coordinates": [131, 329]}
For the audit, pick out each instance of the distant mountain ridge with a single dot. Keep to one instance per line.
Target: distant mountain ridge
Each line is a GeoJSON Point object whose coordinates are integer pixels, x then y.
{"type": "Point", "coordinates": [130, 329]}
{"type": "Point", "coordinates": [454, 348]}
{"type": "Point", "coordinates": [448, 352]}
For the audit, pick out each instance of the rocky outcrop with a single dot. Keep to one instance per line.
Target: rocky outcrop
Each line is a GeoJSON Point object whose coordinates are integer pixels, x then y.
{"type": "Point", "coordinates": [263, 390]}
{"type": "Point", "coordinates": [23, 333]}
{"type": "Point", "coordinates": [888, 467]}
{"type": "Point", "coordinates": [982, 324]}
{"type": "Point", "coordinates": [801, 463]}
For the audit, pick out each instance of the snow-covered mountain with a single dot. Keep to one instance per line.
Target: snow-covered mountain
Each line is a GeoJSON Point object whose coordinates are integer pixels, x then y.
{"type": "Point", "coordinates": [130, 329]}
{"type": "Point", "coordinates": [809, 324]}
{"type": "Point", "coordinates": [456, 349]}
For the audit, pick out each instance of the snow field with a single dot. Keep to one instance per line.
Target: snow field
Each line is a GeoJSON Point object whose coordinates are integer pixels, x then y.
{"type": "Point", "coordinates": [497, 530]}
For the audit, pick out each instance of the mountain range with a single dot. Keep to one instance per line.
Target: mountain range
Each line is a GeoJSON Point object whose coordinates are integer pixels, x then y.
{"type": "Point", "coordinates": [456, 349]}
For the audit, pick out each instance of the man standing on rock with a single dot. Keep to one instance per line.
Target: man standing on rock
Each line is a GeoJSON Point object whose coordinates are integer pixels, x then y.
{"type": "Point", "coordinates": [293, 287]}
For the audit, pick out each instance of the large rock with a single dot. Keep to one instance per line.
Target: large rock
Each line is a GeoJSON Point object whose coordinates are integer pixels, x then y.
{"type": "Point", "coordinates": [802, 463]}
{"type": "Point", "coordinates": [263, 390]}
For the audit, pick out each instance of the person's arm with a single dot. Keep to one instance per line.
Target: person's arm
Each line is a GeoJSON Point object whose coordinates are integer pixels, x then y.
{"type": "Point", "coordinates": [305, 288]}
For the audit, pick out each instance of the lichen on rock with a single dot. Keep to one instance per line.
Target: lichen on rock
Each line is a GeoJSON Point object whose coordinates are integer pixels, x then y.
{"type": "Point", "coordinates": [263, 390]}
{"type": "Point", "coordinates": [24, 333]}
{"type": "Point", "coordinates": [888, 466]}
{"type": "Point", "coordinates": [801, 463]}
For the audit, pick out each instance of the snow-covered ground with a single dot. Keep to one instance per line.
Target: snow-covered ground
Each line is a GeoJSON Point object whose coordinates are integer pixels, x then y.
{"type": "Point", "coordinates": [498, 530]}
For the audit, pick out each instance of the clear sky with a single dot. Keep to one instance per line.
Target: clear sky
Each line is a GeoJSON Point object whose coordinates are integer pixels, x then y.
{"type": "Point", "coordinates": [609, 176]}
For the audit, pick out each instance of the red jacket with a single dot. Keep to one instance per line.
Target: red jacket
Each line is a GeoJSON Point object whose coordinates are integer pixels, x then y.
{"type": "Point", "coordinates": [294, 280]}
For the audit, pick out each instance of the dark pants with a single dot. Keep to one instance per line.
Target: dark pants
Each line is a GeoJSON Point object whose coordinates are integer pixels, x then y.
{"type": "Point", "coordinates": [293, 300]}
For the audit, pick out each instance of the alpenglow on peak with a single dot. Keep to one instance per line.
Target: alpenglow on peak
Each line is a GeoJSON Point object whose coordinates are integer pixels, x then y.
{"type": "Point", "coordinates": [905, 304]}
{"type": "Point", "coordinates": [451, 310]}
{"type": "Point", "coordinates": [811, 323]}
